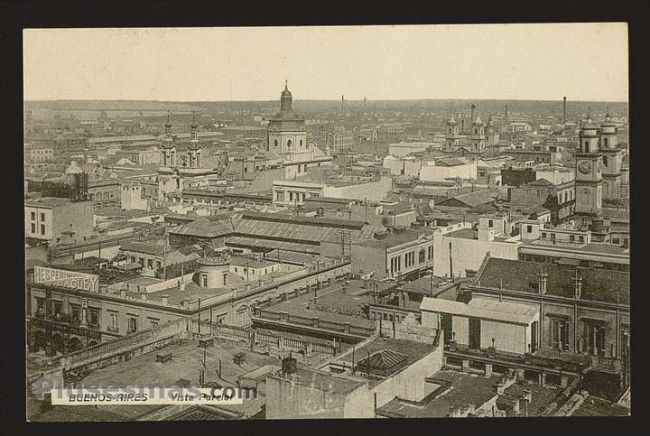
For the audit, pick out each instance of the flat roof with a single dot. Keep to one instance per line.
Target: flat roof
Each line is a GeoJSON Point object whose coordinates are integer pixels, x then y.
{"type": "Point", "coordinates": [513, 313]}
{"type": "Point", "coordinates": [465, 389]}
{"type": "Point", "coordinates": [334, 305]}
{"type": "Point", "coordinates": [325, 380]}
{"type": "Point", "coordinates": [48, 202]}
{"type": "Point", "coordinates": [186, 362]}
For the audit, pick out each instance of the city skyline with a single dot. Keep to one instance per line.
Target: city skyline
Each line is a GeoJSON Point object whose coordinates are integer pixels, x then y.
{"type": "Point", "coordinates": [145, 64]}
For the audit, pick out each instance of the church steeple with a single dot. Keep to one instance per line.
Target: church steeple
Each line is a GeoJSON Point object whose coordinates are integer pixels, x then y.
{"type": "Point", "coordinates": [194, 134]}
{"type": "Point", "coordinates": [168, 125]}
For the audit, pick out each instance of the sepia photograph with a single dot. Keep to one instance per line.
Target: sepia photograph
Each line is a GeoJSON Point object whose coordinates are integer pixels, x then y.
{"type": "Point", "coordinates": [326, 222]}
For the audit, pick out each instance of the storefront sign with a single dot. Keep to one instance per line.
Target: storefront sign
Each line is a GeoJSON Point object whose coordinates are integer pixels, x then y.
{"type": "Point", "coordinates": [66, 279]}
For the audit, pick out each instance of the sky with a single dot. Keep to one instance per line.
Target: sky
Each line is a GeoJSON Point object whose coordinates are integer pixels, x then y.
{"type": "Point", "coordinates": [489, 61]}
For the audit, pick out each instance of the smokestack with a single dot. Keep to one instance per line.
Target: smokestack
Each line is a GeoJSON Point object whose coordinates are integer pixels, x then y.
{"type": "Point", "coordinates": [342, 101]}
{"type": "Point", "coordinates": [564, 111]}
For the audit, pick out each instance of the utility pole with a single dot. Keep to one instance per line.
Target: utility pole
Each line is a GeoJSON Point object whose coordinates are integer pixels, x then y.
{"type": "Point", "coordinates": [165, 256]}
{"type": "Point", "coordinates": [451, 264]}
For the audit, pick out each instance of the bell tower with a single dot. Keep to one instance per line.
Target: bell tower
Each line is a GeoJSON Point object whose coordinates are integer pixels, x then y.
{"type": "Point", "coordinates": [612, 159]}
{"type": "Point", "coordinates": [194, 151]}
{"type": "Point", "coordinates": [589, 176]}
{"type": "Point", "coordinates": [452, 138]}
{"type": "Point", "coordinates": [478, 134]}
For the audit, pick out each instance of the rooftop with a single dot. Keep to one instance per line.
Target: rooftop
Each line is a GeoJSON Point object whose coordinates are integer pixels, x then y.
{"type": "Point", "coordinates": [48, 202]}
{"type": "Point", "coordinates": [326, 381]}
{"type": "Point", "coordinates": [595, 406]}
{"type": "Point", "coordinates": [401, 237]}
{"type": "Point", "coordinates": [204, 228]}
{"type": "Point", "coordinates": [465, 389]}
{"type": "Point", "coordinates": [522, 276]}
{"type": "Point", "coordinates": [186, 362]}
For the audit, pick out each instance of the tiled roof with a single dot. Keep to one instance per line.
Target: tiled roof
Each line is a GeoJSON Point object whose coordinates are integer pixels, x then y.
{"type": "Point", "coordinates": [522, 276]}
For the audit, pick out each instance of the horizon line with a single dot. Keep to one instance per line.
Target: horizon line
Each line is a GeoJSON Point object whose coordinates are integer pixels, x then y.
{"type": "Point", "coordinates": [320, 99]}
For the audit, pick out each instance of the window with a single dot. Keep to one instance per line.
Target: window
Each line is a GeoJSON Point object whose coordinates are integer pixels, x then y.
{"type": "Point", "coordinates": [204, 279]}
{"type": "Point", "coordinates": [543, 234]}
{"type": "Point", "coordinates": [40, 306]}
{"type": "Point", "coordinates": [133, 325]}
{"type": "Point", "coordinates": [572, 238]}
{"type": "Point", "coordinates": [529, 229]}
{"type": "Point", "coordinates": [275, 143]}
{"type": "Point", "coordinates": [57, 307]}
{"type": "Point", "coordinates": [150, 263]}
{"type": "Point", "coordinates": [235, 269]}
{"type": "Point", "coordinates": [75, 312]}
{"type": "Point", "coordinates": [490, 223]}
{"type": "Point", "coordinates": [94, 317]}
{"type": "Point", "coordinates": [559, 333]}
{"type": "Point", "coordinates": [42, 229]}
{"type": "Point", "coordinates": [33, 216]}
{"type": "Point", "coordinates": [289, 143]}
{"type": "Point", "coordinates": [33, 227]}
{"type": "Point", "coordinates": [301, 142]}
{"type": "Point", "coordinates": [113, 326]}
{"type": "Point", "coordinates": [421, 258]}
{"type": "Point", "coordinates": [582, 239]}
{"type": "Point", "coordinates": [42, 216]}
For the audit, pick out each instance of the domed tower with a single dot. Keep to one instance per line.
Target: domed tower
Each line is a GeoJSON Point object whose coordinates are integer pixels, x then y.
{"type": "Point", "coordinates": [491, 132]}
{"type": "Point", "coordinates": [452, 138]}
{"type": "Point", "coordinates": [213, 271]}
{"type": "Point", "coordinates": [194, 150]}
{"type": "Point", "coordinates": [478, 134]}
{"type": "Point", "coordinates": [589, 178]}
{"type": "Point", "coordinates": [286, 134]}
{"type": "Point", "coordinates": [612, 159]}
{"type": "Point", "coordinates": [168, 149]}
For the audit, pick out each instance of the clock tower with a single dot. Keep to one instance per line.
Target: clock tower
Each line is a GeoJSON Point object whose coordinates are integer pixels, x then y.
{"type": "Point", "coordinates": [589, 176]}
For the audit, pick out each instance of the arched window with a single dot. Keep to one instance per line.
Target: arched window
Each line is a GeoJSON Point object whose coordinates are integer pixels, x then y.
{"type": "Point", "coordinates": [605, 160]}
{"type": "Point", "coordinates": [289, 143]}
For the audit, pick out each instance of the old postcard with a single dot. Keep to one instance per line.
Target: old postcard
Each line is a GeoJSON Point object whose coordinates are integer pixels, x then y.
{"type": "Point", "coordinates": [410, 221]}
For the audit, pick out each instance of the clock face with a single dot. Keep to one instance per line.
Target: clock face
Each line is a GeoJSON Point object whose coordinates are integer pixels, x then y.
{"type": "Point", "coordinates": [584, 167]}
